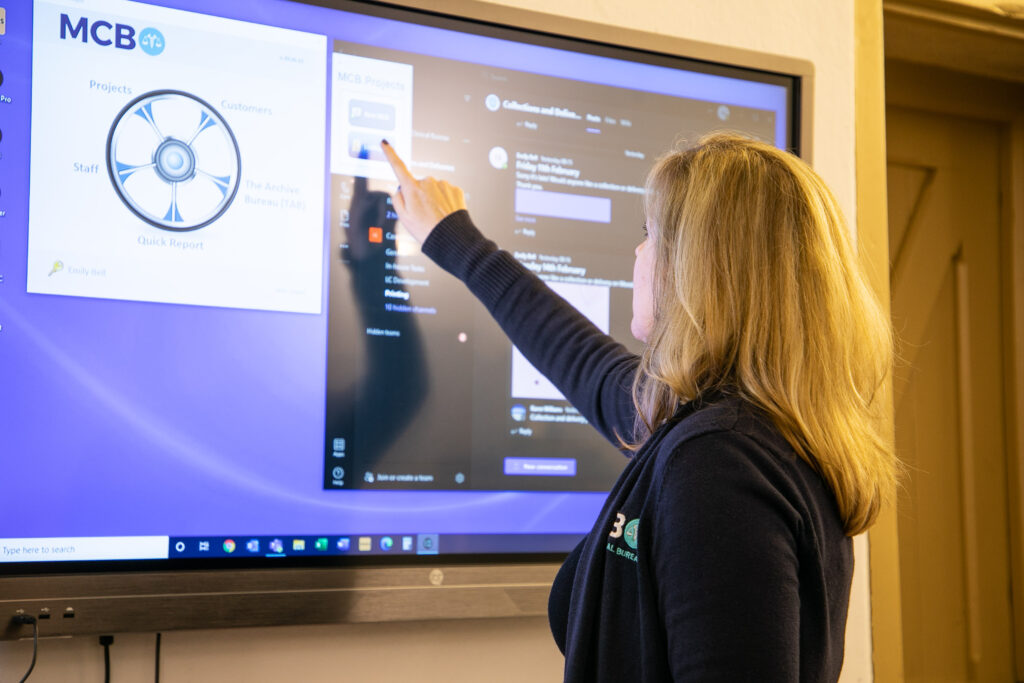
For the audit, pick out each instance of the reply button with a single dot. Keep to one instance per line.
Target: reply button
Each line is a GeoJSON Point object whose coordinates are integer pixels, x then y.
{"type": "Point", "coordinates": [541, 467]}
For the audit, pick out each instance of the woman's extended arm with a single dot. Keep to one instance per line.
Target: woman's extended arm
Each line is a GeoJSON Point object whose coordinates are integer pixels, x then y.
{"type": "Point", "coordinates": [592, 370]}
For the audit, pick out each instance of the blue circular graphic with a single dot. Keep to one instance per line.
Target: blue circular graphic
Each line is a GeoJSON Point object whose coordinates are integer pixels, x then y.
{"type": "Point", "coordinates": [630, 533]}
{"type": "Point", "coordinates": [155, 137]}
{"type": "Point", "coordinates": [151, 41]}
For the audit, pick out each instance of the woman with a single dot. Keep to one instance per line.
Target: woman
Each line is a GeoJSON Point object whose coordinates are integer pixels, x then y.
{"type": "Point", "coordinates": [723, 552]}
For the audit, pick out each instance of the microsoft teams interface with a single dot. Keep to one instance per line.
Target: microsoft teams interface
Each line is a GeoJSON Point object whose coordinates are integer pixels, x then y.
{"type": "Point", "coordinates": [217, 340]}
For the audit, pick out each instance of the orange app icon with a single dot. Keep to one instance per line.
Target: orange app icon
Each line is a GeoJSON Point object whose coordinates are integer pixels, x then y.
{"type": "Point", "coordinates": [376, 234]}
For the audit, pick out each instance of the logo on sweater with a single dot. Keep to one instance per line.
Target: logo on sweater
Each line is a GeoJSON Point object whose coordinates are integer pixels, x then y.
{"type": "Point", "coordinates": [629, 535]}
{"type": "Point", "coordinates": [627, 531]}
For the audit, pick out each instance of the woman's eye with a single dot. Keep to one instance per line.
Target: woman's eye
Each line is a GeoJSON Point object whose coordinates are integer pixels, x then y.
{"type": "Point", "coordinates": [643, 228]}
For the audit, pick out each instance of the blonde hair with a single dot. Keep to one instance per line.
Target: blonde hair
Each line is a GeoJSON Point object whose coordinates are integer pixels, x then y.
{"type": "Point", "coordinates": [758, 292]}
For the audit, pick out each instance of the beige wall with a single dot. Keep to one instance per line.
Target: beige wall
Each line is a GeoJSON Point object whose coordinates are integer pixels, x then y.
{"type": "Point", "coordinates": [492, 650]}
{"type": "Point", "coordinates": [508, 650]}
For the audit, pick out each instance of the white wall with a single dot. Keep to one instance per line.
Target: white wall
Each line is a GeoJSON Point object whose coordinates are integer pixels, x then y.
{"type": "Point", "coordinates": [507, 650]}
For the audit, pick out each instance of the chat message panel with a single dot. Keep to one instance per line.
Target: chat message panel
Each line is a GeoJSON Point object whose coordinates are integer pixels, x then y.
{"type": "Point", "coordinates": [592, 301]}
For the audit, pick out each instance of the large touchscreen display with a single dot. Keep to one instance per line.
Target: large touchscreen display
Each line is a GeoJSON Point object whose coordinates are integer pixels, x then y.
{"type": "Point", "coordinates": [215, 338]}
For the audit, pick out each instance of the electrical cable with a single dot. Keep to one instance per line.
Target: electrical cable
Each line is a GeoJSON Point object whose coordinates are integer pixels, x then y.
{"type": "Point", "coordinates": [106, 642]}
{"type": "Point", "coordinates": [26, 619]}
{"type": "Point", "coordinates": [156, 677]}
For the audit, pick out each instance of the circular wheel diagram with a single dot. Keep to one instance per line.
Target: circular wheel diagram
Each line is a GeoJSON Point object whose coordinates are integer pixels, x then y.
{"type": "Point", "coordinates": [173, 160]}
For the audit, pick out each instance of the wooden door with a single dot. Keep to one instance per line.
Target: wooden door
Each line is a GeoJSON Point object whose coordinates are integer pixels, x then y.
{"type": "Point", "coordinates": [944, 229]}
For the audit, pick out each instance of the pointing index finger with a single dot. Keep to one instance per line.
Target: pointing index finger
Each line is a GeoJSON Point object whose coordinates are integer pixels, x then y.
{"type": "Point", "coordinates": [397, 165]}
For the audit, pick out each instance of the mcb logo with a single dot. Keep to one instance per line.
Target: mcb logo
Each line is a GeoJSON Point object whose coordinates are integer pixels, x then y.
{"type": "Point", "coordinates": [121, 36]}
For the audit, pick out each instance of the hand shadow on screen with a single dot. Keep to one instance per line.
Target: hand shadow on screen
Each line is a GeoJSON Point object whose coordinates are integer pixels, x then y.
{"type": "Point", "coordinates": [393, 382]}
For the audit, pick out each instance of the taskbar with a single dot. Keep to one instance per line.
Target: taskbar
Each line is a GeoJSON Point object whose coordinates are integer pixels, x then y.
{"type": "Point", "coordinates": [302, 546]}
{"type": "Point", "coordinates": [113, 548]}
{"type": "Point", "coordinates": [191, 547]}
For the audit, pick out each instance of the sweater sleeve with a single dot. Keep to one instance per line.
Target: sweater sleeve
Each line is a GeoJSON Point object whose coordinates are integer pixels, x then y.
{"type": "Point", "coordinates": [724, 550]}
{"type": "Point", "coordinates": [590, 368]}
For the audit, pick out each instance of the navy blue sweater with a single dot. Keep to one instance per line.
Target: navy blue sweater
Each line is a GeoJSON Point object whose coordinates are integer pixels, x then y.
{"type": "Point", "coordinates": [719, 554]}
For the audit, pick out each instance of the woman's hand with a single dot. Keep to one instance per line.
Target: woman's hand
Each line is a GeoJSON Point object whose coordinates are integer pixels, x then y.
{"type": "Point", "coordinates": [421, 204]}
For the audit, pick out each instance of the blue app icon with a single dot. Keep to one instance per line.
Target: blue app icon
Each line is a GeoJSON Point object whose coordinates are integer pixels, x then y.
{"type": "Point", "coordinates": [344, 544]}
{"type": "Point", "coordinates": [386, 543]}
{"type": "Point", "coordinates": [426, 544]}
{"type": "Point", "coordinates": [151, 41]}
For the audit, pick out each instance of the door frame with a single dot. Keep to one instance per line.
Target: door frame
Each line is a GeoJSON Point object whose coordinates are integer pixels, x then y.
{"type": "Point", "coordinates": [986, 88]}
{"type": "Point", "coordinates": [872, 235]}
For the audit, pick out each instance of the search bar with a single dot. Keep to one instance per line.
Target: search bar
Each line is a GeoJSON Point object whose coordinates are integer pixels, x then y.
{"type": "Point", "coordinates": [80, 548]}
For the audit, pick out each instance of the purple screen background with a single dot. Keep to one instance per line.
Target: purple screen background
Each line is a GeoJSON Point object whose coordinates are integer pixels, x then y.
{"type": "Point", "coordinates": [130, 418]}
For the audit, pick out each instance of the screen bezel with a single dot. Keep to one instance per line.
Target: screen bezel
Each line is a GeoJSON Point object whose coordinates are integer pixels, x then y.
{"type": "Point", "coordinates": [121, 596]}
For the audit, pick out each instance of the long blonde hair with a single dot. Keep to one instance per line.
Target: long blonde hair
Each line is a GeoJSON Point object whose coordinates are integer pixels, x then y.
{"type": "Point", "coordinates": [758, 291]}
